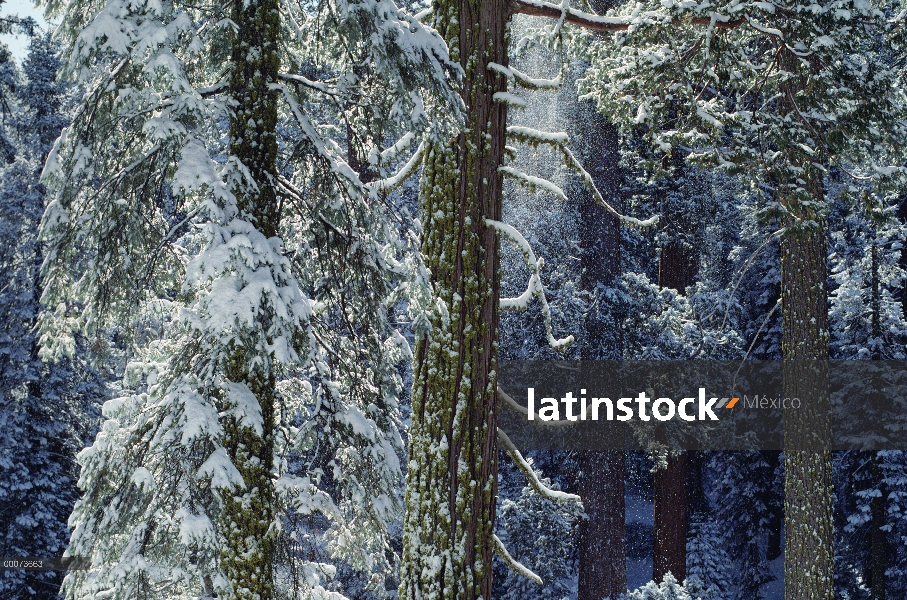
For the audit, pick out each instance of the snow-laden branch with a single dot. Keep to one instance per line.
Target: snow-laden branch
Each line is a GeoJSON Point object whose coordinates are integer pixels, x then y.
{"type": "Point", "coordinates": [386, 185]}
{"type": "Point", "coordinates": [509, 99]}
{"type": "Point", "coordinates": [559, 140]}
{"type": "Point", "coordinates": [534, 137]}
{"type": "Point", "coordinates": [573, 163]}
{"type": "Point", "coordinates": [535, 287]}
{"type": "Point", "coordinates": [389, 155]}
{"type": "Point", "coordinates": [526, 469]}
{"type": "Point", "coordinates": [533, 182]}
{"type": "Point", "coordinates": [516, 566]}
{"type": "Point", "coordinates": [524, 80]}
{"type": "Point", "coordinates": [315, 85]}
{"type": "Point", "coordinates": [538, 8]}
{"type": "Point", "coordinates": [503, 396]}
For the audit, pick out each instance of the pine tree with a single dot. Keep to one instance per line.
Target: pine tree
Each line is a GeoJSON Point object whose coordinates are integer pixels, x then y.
{"type": "Point", "coordinates": [205, 202]}
{"type": "Point", "coordinates": [46, 411]}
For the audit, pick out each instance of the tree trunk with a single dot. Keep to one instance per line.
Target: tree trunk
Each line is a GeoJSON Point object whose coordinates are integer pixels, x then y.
{"type": "Point", "coordinates": [602, 536]}
{"type": "Point", "coordinates": [451, 485]}
{"type": "Point", "coordinates": [808, 557]}
{"type": "Point", "coordinates": [879, 538]}
{"type": "Point", "coordinates": [248, 550]}
{"type": "Point", "coordinates": [669, 552]}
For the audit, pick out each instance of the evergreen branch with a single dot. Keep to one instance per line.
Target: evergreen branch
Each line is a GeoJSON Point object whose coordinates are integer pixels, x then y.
{"type": "Point", "coordinates": [746, 266]}
{"type": "Point", "coordinates": [759, 331]}
{"type": "Point", "coordinates": [534, 288]}
{"type": "Point", "coordinates": [395, 181]}
{"type": "Point", "coordinates": [315, 85]}
{"type": "Point", "coordinates": [152, 260]}
{"type": "Point", "coordinates": [559, 140]}
{"type": "Point", "coordinates": [572, 162]}
{"type": "Point", "coordinates": [526, 469]}
{"type": "Point", "coordinates": [514, 565]}
{"type": "Point", "coordinates": [539, 8]}
{"type": "Point", "coordinates": [524, 80]}
{"type": "Point", "coordinates": [422, 15]}
{"type": "Point", "coordinates": [391, 153]}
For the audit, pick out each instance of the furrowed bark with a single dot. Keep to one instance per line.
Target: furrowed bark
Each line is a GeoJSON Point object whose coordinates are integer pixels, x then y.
{"type": "Point", "coordinates": [451, 481]}
{"type": "Point", "coordinates": [808, 556]}
{"type": "Point", "coordinates": [602, 536]}
{"type": "Point", "coordinates": [248, 548]}
{"type": "Point", "coordinates": [669, 551]}
{"type": "Point", "coordinates": [676, 270]}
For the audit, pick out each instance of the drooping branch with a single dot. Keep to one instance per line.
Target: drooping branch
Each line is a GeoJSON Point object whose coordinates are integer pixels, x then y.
{"type": "Point", "coordinates": [506, 399]}
{"type": "Point", "coordinates": [559, 140]}
{"type": "Point", "coordinates": [538, 8]}
{"type": "Point", "coordinates": [535, 287]}
{"type": "Point", "coordinates": [391, 183]}
{"type": "Point", "coordinates": [526, 469]}
{"type": "Point", "coordinates": [515, 566]}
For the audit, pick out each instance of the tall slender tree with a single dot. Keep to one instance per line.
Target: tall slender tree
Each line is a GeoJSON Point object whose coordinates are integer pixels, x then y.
{"type": "Point", "coordinates": [201, 202]}
{"type": "Point", "coordinates": [46, 411]}
{"type": "Point", "coordinates": [451, 482]}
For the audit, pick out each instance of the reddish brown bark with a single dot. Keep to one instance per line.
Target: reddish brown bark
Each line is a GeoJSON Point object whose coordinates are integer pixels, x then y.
{"type": "Point", "coordinates": [669, 553]}
{"type": "Point", "coordinates": [602, 537]}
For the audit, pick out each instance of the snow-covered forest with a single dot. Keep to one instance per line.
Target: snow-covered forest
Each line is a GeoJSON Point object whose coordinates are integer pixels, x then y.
{"type": "Point", "coordinates": [261, 260]}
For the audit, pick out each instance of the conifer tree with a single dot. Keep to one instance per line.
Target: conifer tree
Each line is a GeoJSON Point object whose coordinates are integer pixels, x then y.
{"type": "Point", "coordinates": [780, 90]}
{"type": "Point", "coordinates": [204, 202]}
{"type": "Point", "coordinates": [46, 411]}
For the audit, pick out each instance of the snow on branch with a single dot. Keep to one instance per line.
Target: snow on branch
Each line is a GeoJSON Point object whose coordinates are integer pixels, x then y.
{"type": "Point", "coordinates": [526, 469]}
{"type": "Point", "coordinates": [315, 85]}
{"type": "Point", "coordinates": [568, 15]}
{"type": "Point", "coordinates": [533, 182]}
{"type": "Point", "coordinates": [573, 163]}
{"type": "Point", "coordinates": [509, 99]}
{"type": "Point", "coordinates": [516, 566]}
{"type": "Point", "coordinates": [524, 80]}
{"type": "Point", "coordinates": [535, 287]}
{"type": "Point", "coordinates": [534, 137]}
{"type": "Point", "coordinates": [502, 395]}
{"type": "Point", "coordinates": [538, 8]}
{"type": "Point", "coordinates": [388, 156]}
{"type": "Point", "coordinates": [386, 185]}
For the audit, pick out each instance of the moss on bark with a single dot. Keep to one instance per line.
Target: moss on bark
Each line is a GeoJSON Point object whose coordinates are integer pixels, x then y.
{"type": "Point", "coordinates": [451, 477]}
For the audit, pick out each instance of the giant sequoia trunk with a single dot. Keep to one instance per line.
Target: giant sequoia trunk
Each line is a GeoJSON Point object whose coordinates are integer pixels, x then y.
{"type": "Point", "coordinates": [676, 270]}
{"type": "Point", "coordinates": [248, 543]}
{"type": "Point", "coordinates": [808, 557]}
{"type": "Point", "coordinates": [602, 536]}
{"type": "Point", "coordinates": [451, 482]}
